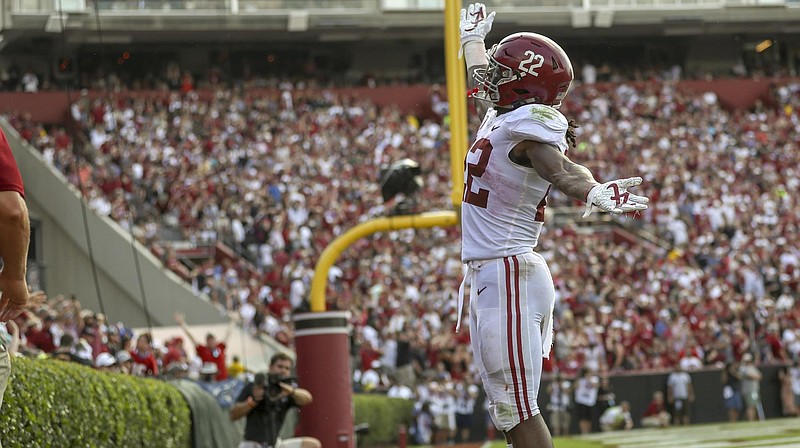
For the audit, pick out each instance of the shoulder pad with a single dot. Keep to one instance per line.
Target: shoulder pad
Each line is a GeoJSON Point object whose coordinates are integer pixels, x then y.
{"type": "Point", "coordinates": [538, 122]}
{"type": "Point", "coordinates": [548, 116]}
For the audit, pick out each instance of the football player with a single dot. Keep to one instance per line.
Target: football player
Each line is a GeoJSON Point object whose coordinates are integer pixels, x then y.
{"type": "Point", "coordinates": [518, 156]}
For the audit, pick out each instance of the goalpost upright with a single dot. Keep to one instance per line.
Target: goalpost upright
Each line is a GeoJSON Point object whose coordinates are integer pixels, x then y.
{"type": "Point", "coordinates": [322, 337]}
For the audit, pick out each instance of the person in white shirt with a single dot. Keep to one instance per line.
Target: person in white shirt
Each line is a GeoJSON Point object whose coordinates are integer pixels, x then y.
{"type": "Point", "coordinates": [587, 387]}
{"type": "Point", "coordinates": [465, 408]}
{"type": "Point", "coordinates": [560, 405]}
{"type": "Point", "coordinates": [373, 379]}
{"type": "Point", "coordinates": [30, 82]}
{"type": "Point", "coordinates": [680, 394]}
{"type": "Point", "coordinates": [518, 156]}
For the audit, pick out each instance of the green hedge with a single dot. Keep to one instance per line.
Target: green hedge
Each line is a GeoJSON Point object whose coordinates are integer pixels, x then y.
{"type": "Point", "coordinates": [384, 416]}
{"type": "Point", "coordinates": [52, 403]}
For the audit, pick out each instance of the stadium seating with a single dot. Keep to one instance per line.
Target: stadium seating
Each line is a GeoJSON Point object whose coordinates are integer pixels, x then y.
{"type": "Point", "coordinates": [257, 174]}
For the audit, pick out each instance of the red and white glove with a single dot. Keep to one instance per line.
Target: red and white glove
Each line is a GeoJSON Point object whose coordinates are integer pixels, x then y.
{"type": "Point", "coordinates": [475, 24]}
{"type": "Point", "coordinates": [613, 197]}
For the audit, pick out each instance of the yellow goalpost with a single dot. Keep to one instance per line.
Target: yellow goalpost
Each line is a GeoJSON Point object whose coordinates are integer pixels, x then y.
{"type": "Point", "coordinates": [456, 95]}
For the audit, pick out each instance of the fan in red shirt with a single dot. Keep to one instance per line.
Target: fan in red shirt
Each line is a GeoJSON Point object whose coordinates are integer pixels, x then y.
{"type": "Point", "coordinates": [42, 337]}
{"type": "Point", "coordinates": [143, 358]}
{"type": "Point", "coordinates": [213, 351]}
{"type": "Point", "coordinates": [656, 415]}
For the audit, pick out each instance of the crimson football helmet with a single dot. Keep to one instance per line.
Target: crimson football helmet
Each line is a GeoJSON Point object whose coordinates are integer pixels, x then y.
{"type": "Point", "coordinates": [525, 68]}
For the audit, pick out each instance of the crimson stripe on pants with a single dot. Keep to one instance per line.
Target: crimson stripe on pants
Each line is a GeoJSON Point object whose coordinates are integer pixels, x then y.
{"type": "Point", "coordinates": [519, 339]}
{"type": "Point", "coordinates": [510, 331]}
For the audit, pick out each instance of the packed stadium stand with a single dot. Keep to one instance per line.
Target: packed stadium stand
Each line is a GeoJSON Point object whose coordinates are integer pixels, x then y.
{"type": "Point", "coordinates": [225, 170]}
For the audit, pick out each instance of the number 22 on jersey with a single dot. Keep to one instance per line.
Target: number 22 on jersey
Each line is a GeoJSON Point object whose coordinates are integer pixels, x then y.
{"type": "Point", "coordinates": [473, 170]}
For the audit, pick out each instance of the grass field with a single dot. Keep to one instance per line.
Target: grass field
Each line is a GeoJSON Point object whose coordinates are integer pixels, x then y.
{"type": "Point", "coordinates": [777, 433]}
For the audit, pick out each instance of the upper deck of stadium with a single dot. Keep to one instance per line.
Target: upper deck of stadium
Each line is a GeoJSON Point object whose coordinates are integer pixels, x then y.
{"type": "Point", "coordinates": [351, 20]}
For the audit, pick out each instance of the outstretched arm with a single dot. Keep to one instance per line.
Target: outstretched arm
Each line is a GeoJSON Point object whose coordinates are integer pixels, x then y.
{"type": "Point", "coordinates": [475, 24]}
{"type": "Point", "coordinates": [577, 182]}
{"type": "Point", "coordinates": [182, 322]}
{"type": "Point", "coordinates": [552, 165]}
{"type": "Point", "coordinates": [228, 331]}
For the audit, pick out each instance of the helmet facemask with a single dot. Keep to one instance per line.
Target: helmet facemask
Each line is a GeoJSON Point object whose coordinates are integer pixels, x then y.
{"type": "Point", "coordinates": [489, 79]}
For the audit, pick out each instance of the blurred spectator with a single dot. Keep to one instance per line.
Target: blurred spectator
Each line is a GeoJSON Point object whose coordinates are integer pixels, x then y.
{"type": "Point", "coordinates": [443, 406]}
{"type": "Point", "coordinates": [750, 378]}
{"type": "Point", "coordinates": [179, 370]}
{"type": "Point", "coordinates": [41, 336]}
{"type": "Point", "coordinates": [690, 361]}
{"type": "Point", "coordinates": [106, 362]}
{"type": "Point", "coordinates": [466, 395]}
{"type": "Point", "coordinates": [794, 373]}
{"type": "Point", "coordinates": [788, 407]}
{"type": "Point", "coordinates": [64, 351]}
{"type": "Point", "coordinates": [208, 373]}
{"type": "Point", "coordinates": [606, 397]}
{"type": "Point", "coordinates": [422, 430]}
{"type": "Point", "coordinates": [560, 405]}
{"type": "Point", "coordinates": [213, 351]}
{"type": "Point", "coordinates": [400, 391]}
{"type": "Point", "coordinates": [751, 387]}
{"type": "Point", "coordinates": [587, 386]}
{"type": "Point", "coordinates": [617, 418]}
{"type": "Point", "coordinates": [236, 369]}
{"type": "Point", "coordinates": [656, 415]}
{"type": "Point", "coordinates": [174, 352]}
{"type": "Point", "coordinates": [125, 362]}
{"type": "Point", "coordinates": [30, 82]}
{"type": "Point", "coordinates": [680, 393]}
{"type": "Point", "coordinates": [374, 379]}
{"type": "Point", "coordinates": [732, 390]}
{"type": "Point", "coordinates": [589, 73]}
{"type": "Point", "coordinates": [144, 360]}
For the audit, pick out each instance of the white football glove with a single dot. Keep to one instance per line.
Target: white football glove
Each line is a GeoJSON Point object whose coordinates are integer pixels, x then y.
{"type": "Point", "coordinates": [614, 197]}
{"type": "Point", "coordinates": [475, 24]}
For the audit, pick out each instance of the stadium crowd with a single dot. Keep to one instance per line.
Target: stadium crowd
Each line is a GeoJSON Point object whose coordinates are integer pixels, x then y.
{"type": "Point", "coordinates": [260, 174]}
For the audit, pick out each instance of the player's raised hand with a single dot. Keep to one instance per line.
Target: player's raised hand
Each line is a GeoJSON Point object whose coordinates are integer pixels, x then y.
{"type": "Point", "coordinates": [613, 197]}
{"type": "Point", "coordinates": [475, 23]}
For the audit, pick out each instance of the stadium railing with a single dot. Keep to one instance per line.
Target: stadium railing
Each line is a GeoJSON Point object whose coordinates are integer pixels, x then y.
{"type": "Point", "coordinates": [375, 6]}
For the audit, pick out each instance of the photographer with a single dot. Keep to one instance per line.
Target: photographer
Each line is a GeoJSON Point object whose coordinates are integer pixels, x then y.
{"type": "Point", "coordinates": [266, 401]}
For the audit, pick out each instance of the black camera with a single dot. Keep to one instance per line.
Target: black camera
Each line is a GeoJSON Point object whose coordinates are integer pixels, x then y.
{"type": "Point", "coordinates": [272, 381]}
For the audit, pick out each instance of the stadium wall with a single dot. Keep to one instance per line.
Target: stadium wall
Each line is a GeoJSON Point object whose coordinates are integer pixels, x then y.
{"type": "Point", "coordinates": [52, 107]}
{"type": "Point", "coordinates": [708, 407]}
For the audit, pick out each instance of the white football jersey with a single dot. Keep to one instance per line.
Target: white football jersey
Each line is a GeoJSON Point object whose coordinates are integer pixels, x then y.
{"type": "Point", "coordinates": [502, 209]}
